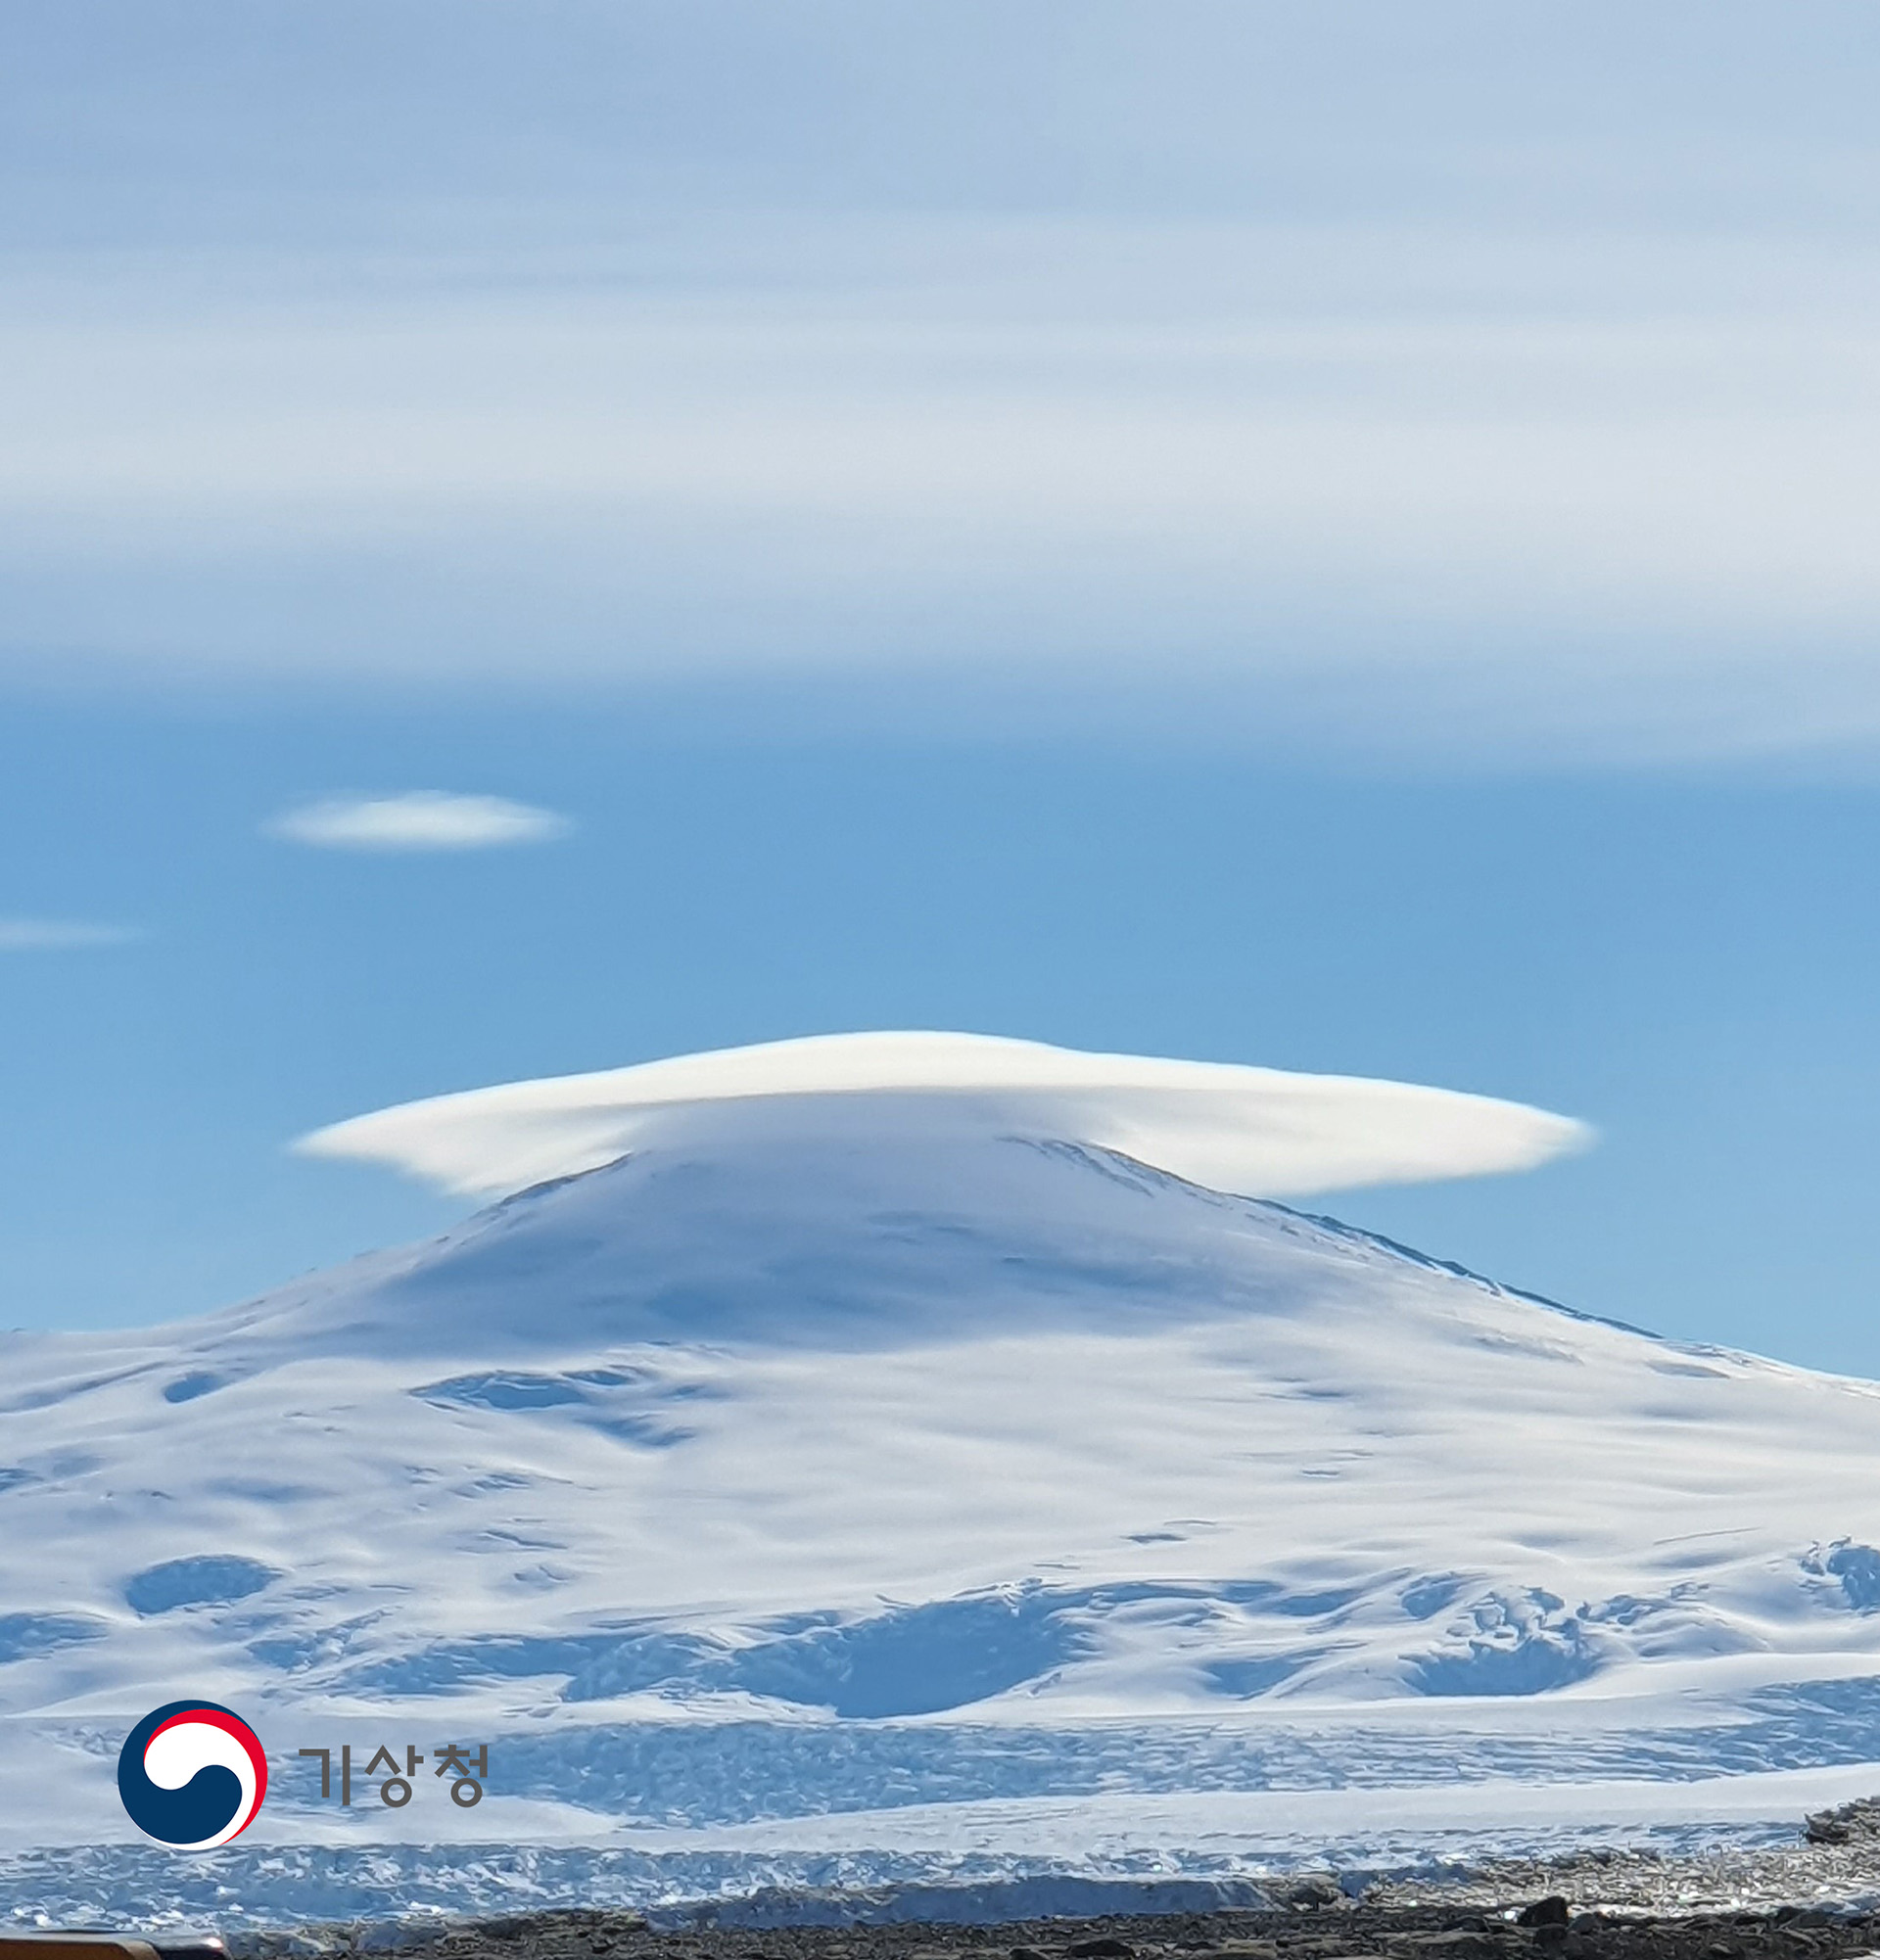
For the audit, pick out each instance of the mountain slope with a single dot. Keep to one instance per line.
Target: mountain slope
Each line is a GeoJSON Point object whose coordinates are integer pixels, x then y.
{"type": "Point", "coordinates": [826, 1457]}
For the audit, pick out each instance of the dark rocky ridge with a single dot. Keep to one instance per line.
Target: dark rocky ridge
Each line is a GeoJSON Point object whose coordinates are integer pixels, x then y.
{"type": "Point", "coordinates": [1846, 1823]}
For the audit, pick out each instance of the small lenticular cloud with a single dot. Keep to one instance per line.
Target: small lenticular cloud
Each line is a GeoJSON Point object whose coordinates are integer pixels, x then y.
{"type": "Point", "coordinates": [58, 935]}
{"type": "Point", "coordinates": [420, 820]}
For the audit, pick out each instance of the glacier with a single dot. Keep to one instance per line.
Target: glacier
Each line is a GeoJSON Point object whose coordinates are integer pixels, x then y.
{"type": "Point", "coordinates": [908, 1485]}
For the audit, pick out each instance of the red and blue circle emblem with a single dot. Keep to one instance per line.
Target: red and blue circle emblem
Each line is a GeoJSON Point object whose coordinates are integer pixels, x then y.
{"type": "Point", "coordinates": [192, 1774]}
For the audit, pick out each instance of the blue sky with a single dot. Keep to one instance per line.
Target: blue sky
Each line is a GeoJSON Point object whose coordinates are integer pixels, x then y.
{"type": "Point", "coordinates": [1335, 537]}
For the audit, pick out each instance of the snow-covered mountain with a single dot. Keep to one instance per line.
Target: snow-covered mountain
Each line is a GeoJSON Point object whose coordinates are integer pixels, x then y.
{"type": "Point", "coordinates": [840, 1473]}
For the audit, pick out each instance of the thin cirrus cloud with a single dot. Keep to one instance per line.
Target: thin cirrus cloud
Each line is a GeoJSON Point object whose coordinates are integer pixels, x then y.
{"type": "Point", "coordinates": [419, 819]}
{"type": "Point", "coordinates": [61, 935]}
{"type": "Point", "coordinates": [1485, 383]}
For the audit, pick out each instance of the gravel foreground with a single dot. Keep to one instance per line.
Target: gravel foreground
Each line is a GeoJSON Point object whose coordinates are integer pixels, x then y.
{"type": "Point", "coordinates": [1554, 1931]}
{"type": "Point", "coordinates": [1817, 1898]}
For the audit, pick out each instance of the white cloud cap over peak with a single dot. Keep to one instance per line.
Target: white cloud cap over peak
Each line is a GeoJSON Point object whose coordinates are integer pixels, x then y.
{"type": "Point", "coordinates": [1259, 1132]}
{"type": "Point", "coordinates": [419, 819]}
{"type": "Point", "coordinates": [60, 935]}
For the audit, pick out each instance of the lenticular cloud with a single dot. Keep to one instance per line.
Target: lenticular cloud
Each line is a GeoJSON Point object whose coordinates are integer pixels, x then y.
{"type": "Point", "coordinates": [420, 820]}
{"type": "Point", "coordinates": [1259, 1132]}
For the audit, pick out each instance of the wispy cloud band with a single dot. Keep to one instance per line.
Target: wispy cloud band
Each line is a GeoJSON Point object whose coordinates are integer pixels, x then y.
{"type": "Point", "coordinates": [1513, 367]}
{"type": "Point", "coordinates": [60, 935]}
